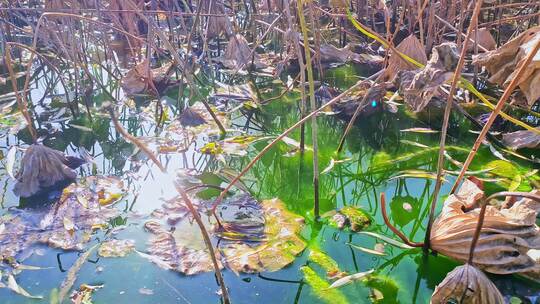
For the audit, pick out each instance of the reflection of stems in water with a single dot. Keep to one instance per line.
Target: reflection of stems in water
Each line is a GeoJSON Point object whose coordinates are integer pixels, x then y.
{"type": "Point", "coordinates": [309, 67]}
{"type": "Point", "coordinates": [130, 137]}
{"type": "Point", "coordinates": [278, 280]}
{"type": "Point", "coordinates": [394, 229]}
{"type": "Point", "coordinates": [440, 161]}
{"type": "Point", "coordinates": [275, 141]}
{"type": "Point", "coordinates": [20, 98]}
{"type": "Point", "coordinates": [207, 241]}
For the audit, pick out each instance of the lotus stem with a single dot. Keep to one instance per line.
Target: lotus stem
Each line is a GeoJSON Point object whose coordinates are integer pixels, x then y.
{"type": "Point", "coordinates": [208, 242]}
{"type": "Point", "coordinates": [446, 119]}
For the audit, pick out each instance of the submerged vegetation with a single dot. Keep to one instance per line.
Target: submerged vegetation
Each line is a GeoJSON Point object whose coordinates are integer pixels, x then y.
{"type": "Point", "coordinates": [266, 151]}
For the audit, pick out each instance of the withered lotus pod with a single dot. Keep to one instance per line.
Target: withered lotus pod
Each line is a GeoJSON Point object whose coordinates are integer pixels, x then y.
{"type": "Point", "coordinates": [43, 167]}
{"type": "Point", "coordinates": [466, 284]}
{"type": "Point", "coordinates": [506, 238]}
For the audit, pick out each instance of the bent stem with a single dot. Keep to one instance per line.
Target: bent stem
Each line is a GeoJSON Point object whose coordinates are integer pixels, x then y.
{"type": "Point", "coordinates": [447, 111]}
{"type": "Point", "coordinates": [206, 237]}
{"type": "Point", "coordinates": [394, 229]}
{"type": "Point", "coordinates": [507, 92]}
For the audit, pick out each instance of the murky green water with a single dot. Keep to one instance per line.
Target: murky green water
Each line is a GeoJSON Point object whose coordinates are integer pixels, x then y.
{"type": "Point", "coordinates": [380, 156]}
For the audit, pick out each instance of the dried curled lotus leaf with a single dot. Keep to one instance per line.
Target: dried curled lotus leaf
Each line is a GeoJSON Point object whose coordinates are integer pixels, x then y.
{"type": "Point", "coordinates": [238, 54]}
{"type": "Point", "coordinates": [280, 248]}
{"type": "Point", "coordinates": [506, 237]}
{"type": "Point", "coordinates": [42, 167]}
{"type": "Point", "coordinates": [411, 47]}
{"type": "Point", "coordinates": [502, 62]}
{"type": "Point", "coordinates": [418, 87]}
{"type": "Point", "coordinates": [468, 285]}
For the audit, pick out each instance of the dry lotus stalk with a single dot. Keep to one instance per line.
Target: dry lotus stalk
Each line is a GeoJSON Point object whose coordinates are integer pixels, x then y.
{"type": "Point", "coordinates": [506, 237]}
{"type": "Point", "coordinates": [502, 62]}
{"type": "Point", "coordinates": [467, 285]}
{"type": "Point", "coordinates": [42, 167]}
{"type": "Point", "coordinates": [411, 47]}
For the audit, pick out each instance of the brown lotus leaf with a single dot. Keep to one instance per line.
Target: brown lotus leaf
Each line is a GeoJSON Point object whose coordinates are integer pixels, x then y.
{"type": "Point", "coordinates": [141, 78]}
{"type": "Point", "coordinates": [505, 239]}
{"type": "Point", "coordinates": [217, 25]}
{"type": "Point", "coordinates": [411, 47]}
{"type": "Point", "coordinates": [280, 247]}
{"type": "Point", "coordinates": [485, 39]}
{"type": "Point", "coordinates": [502, 62]}
{"type": "Point", "coordinates": [174, 252]}
{"type": "Point", "coordinates": [42, 167]}
{"type": "Point", "coordinates": [68, 223]}
{"type": "Point", "coordinates": [238, 54]}
{"type": "Point", "coordinates": [177, 130]}
{"type": "Point", "coordinates": [521, 139]}
{"type": "Point", "coordinates": [116, 248]}
{"type": "Point", "coordinates": [418, 88]}
{"type": "Point", "coordinates": [467, 285]}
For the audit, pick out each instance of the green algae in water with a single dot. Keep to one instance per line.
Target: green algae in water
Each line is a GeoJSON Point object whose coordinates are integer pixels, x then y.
{"type": "Point", "coordinates": [325, 261]}
{"type": "Point", "coordinates": [320, 287]}
{"type": "Point", "coordinates": [386, 285]}
{"type": "Point", "coordinates": [358, 219]}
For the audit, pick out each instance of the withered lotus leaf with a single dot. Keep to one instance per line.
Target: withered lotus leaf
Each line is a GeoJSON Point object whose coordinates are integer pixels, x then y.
{"type": "Point", "coordinates": [467, 285]}
{"type": "Point", "coordinates": [502, 63]}
{"type": "Point", "coordinates": [42, 167]}
{"type": "Point", "coordinates": [418, 87]}
{"type": "Point", "coordinates": [506, 237]}
{"type": "Point", "coordinates": [79, 206]}
{"type": "Point", "coordinates": [261, 237]}
{"type": "Point", "coordinates": [116, 248]}
{"type": "Point", "coordinates": [238, 54]}
{"type": "Point", "coordinates": [411, 47]}
{"type": "Point", "coordinates": [280, 247]}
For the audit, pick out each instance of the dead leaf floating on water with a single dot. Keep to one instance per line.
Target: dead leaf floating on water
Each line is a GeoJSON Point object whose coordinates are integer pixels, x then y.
{"type": "Point", "coordinates": [502, 62]}
{"type": "Point", "coordinates": [239, 55]}
{"type": "Point", "coordinates": [466, 284]}
{"type": "Point", "coordinates": [116, 248]}
{"type": "Point", "coordinates": [505, 240]}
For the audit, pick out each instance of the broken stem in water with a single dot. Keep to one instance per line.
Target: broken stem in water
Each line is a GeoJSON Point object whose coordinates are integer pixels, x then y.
{"type": "Point", "coordinates": [208, 242]}
{"type": "Point", "coordinates": [507, 92]}
{"type": "Point", "coordinates": [447, 111]}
